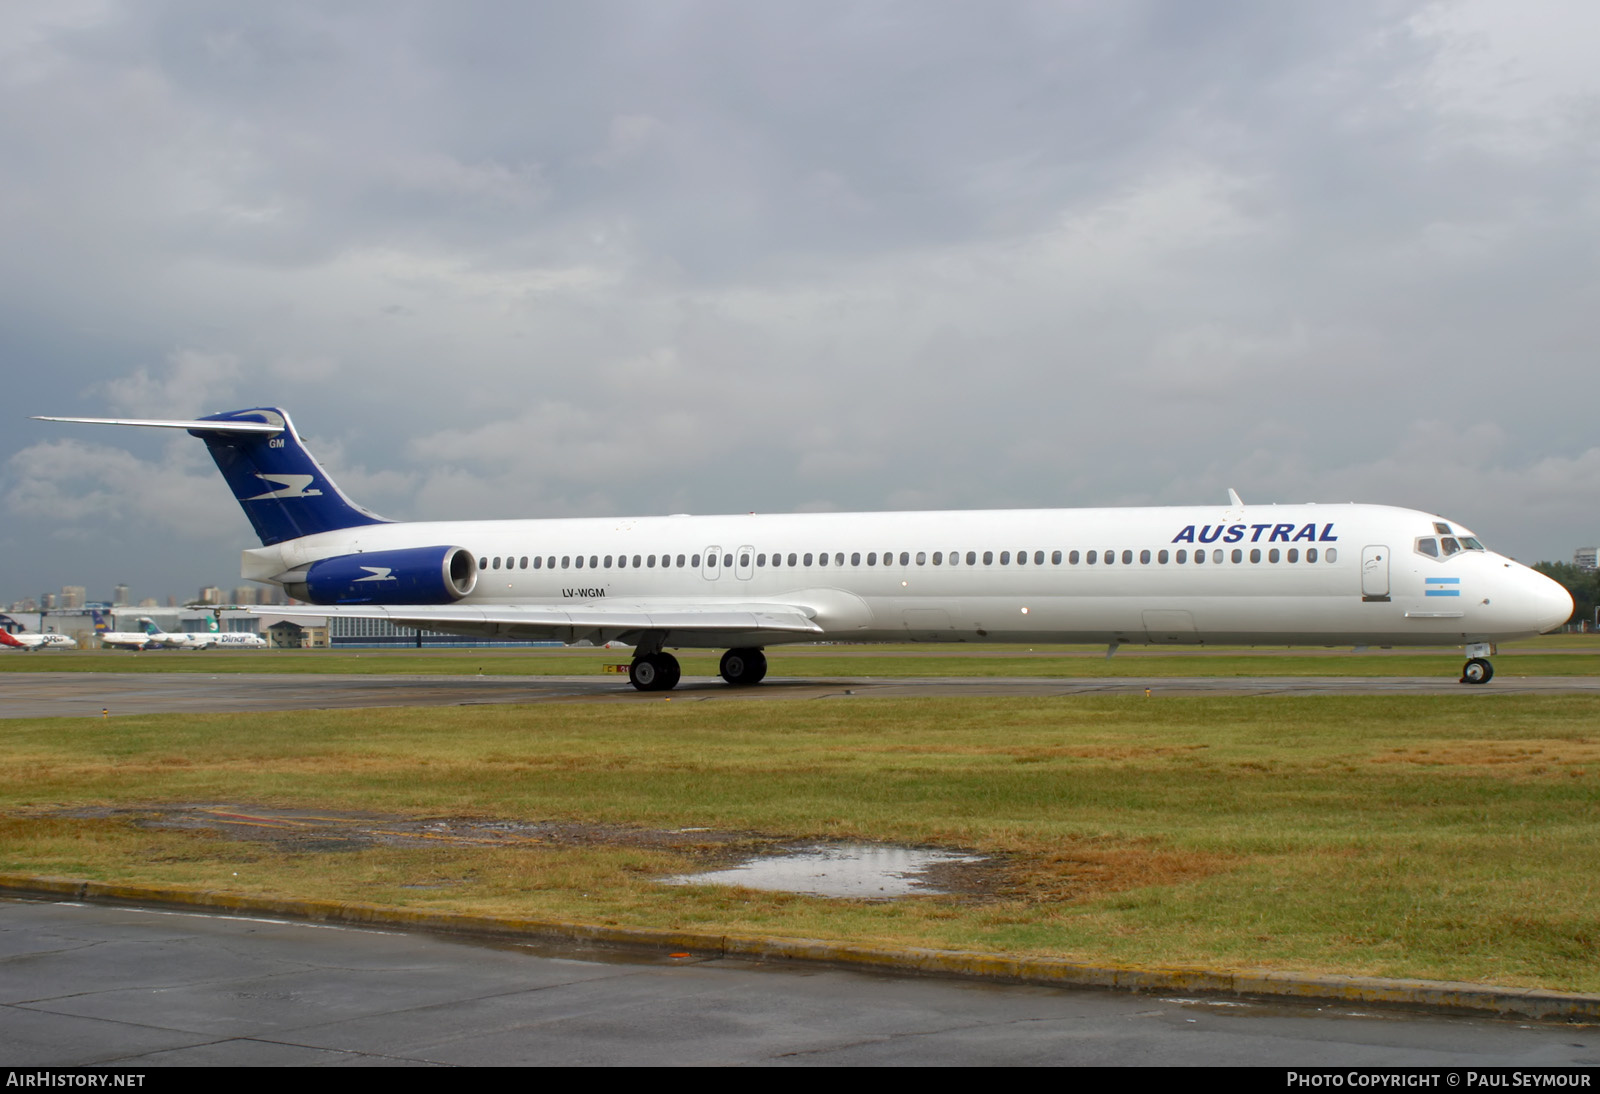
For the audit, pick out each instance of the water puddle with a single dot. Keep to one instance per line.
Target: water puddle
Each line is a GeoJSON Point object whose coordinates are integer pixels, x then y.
{"type": "Point", "coordinates": [860, 870]}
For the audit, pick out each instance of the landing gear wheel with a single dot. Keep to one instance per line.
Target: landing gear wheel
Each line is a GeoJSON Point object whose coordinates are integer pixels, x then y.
{"type": "Point", "coordinates": [1477, 671]}
{"type": "Point", "coordinates": [743, 666]}
{"type": "Point", "coordinates": [657, 672]}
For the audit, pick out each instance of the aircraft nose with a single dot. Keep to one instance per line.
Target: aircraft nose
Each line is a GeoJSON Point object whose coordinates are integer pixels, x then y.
{"type": "Point", "coordinates": [1550, 602]}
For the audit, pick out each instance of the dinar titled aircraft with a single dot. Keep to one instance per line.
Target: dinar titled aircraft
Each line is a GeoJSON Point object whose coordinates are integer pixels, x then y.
{"type": "Point", "coordinates": [209, 639]}
{"type": "Point", "coordinates": [26, 641]}
{"type": "Point", "coordinates": [1258, 575]}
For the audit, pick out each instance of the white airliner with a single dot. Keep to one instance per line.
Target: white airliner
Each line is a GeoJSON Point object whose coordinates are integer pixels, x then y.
{"type": "Point", "coordinates": [1260, 574]}
{"type": "Point", "coordinates": [37, 641]}
{"type": "Point", "coordinates": [118, 640]}
{"type": "Point", "coordinates": [210, 639]}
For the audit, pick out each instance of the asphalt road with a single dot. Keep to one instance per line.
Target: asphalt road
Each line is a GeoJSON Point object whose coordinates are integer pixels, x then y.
{"type": "Point", "coordinates": [92, 985]}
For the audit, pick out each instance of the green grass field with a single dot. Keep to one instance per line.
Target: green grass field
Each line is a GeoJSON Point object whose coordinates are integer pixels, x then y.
{"type": "Point", "coordinates": [1441, 837]}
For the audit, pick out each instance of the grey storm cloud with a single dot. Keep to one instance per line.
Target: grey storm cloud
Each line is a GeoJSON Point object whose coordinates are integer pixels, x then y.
{"type": "Point", "coordinates": [546, 259]}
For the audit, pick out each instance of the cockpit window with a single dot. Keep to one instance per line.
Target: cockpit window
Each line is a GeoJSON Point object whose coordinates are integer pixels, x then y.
{"type": "Point", "coordinates": [1442, 528]}
{"type": "Point", "coordinates": [1449, 545]}
{"type": "Point", "coordinates": [1428, 546]}
{"type": "Point", "coordinates": [1471, 544]}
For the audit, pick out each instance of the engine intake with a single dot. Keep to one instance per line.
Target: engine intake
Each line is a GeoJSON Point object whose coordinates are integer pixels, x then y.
{"type": "Point", "coordinates": [414, 575]}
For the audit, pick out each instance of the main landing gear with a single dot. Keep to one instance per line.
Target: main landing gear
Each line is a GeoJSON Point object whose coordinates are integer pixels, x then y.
{"type": "Point", "coordinates": [1477, 670]}
{"type": "Point", "coordinates": [654, 672]}
{"type": "Point", "coordinates": [743, 666]}
{"type": "Point", "coordinates": [659, 671]}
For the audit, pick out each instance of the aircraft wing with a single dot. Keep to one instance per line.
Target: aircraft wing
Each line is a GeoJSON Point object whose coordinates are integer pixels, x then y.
{"type": "Point", "coordinates": [614, 621]}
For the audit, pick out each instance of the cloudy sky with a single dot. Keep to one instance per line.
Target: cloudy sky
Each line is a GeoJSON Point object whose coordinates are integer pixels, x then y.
{"type": "Point", "coordinates": [529, 259]}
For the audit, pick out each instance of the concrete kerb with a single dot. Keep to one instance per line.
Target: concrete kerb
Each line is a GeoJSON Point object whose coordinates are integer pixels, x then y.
{"type": "Point", "coordinates": [1265, 984]}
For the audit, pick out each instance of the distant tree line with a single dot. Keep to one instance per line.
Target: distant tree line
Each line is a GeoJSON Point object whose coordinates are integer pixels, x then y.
{"type": "Point", "coordinates": [1584, 585]}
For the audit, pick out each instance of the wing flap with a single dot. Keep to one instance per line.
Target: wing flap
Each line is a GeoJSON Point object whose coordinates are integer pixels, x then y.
{"type": "Point", "coordinates": [570, 624]}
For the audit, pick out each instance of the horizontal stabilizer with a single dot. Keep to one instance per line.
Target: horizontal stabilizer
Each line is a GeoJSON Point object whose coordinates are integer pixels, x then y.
{"type": "Point", "coordinates": [172, 423]}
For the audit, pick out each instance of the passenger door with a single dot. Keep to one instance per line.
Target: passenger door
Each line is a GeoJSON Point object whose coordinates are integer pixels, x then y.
{"type": "Point", "coordinates": [1375, 574]}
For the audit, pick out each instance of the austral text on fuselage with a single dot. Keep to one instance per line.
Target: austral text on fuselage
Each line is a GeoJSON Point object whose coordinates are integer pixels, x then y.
{"type": "Point", "coordinates": [583, 592]}
{"type": "Point", "coordinates": [1275, 533]}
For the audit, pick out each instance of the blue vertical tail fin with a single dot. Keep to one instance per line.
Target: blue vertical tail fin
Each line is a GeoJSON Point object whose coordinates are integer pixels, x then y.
{"type": "Point", "coordinates": [279, 485]}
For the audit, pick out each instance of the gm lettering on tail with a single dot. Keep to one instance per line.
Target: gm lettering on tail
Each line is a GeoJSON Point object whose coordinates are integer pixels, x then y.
{"type": "Point", "coordinates": [1275, 533]}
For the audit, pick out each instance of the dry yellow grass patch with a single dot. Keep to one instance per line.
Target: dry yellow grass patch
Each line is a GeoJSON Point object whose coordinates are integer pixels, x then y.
{"type": "Point", "coordinates": [1524, 757]}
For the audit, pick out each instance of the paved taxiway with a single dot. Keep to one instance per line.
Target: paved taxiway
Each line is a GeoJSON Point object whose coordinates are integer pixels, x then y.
{"type": "Point", "coordinates": [86, 694]}
{"type": "Point", "coordinates": [91, 985]}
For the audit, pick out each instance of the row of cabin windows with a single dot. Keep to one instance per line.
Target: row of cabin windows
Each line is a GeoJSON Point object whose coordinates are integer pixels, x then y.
{"type": "Point", "coordinates": [938, 558]}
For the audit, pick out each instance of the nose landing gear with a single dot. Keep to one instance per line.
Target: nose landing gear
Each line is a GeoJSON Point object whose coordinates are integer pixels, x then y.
{"type": "Point", "coordinates": [1477, 670]}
